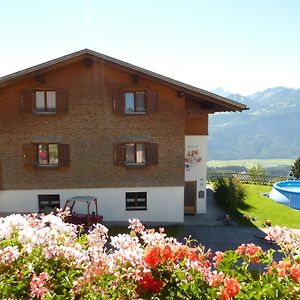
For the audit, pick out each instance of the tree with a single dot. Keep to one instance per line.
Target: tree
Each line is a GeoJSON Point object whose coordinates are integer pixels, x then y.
{"type": "Point", "coordinates": [296, 168]}
{"type": "Point", "coordinates": [257, 173]}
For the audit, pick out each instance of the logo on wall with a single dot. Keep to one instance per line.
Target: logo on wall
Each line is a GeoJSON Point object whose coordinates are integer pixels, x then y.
{"type": "Point", "coordinates": [192, 158]}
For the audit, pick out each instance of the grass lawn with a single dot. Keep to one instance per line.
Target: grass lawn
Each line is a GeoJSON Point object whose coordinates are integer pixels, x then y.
{"type": "Point", "coordinates": [263, 208]}
{"type": "Point", "coordinates": [170, 230]}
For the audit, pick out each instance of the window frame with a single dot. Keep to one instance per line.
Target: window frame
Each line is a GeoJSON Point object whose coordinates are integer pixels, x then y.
{"type": "Point", "coordinates": [52, 203]}
{"type": "Point", "coordinates": [137, 195]}
{"type": "Point", "coordinates": [135, 163]}
{"type": "Point", "coordinates": [46, 109]}
{"type": "Point", "coordinates": [48, 165]}
{"type": "Point", "coordinates": [151, 154]}
{"type": "Point", "coordinates": [135, 112]}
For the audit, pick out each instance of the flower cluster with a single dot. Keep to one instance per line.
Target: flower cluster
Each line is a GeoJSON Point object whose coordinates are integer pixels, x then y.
{"type": "Point", "coordinates": [46, 258]}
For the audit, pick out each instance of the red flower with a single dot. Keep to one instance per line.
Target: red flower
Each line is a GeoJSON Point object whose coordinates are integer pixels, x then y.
{"type": "Point", "coordinates": [152, 257]}
{"type": "Point", "coordinates": [231, 288]}
{"type": "Point", "coordinates": [251, 251]}
{"type": "Point", "coordinates": [150, 284]}
{"type": "Point", "coordinates": [156, 255]}
{"type": "Point", "coordinates": [295, 272]}
{"type": "Point", "coordinates": [282, 268]}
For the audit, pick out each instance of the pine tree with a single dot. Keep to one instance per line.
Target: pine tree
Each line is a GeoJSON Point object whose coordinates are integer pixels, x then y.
{"type": "Point", "coordinates": [296, 168]}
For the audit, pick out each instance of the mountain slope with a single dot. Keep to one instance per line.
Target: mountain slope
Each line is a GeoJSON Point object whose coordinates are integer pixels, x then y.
{"type": "Point", "coordinates": [269, 129]}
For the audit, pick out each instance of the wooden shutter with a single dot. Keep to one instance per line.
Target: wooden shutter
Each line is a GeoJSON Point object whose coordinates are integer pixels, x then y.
{"type": "Point", "coordinates": [118, 102]}
{"type": "Point", "coordinates": [119, 154]}
{"type": "Point", "coordinates": [152, 101]}
{"type": "Point", "coordinates": [61, 101]}
{"type": "Point", "coordinates": [152, 154]}
{"type": "Point", "coordinates": [27, 100]}
{"type": "Point", "coordinates": [63, 155]}
{"type": "Point", "coordinates": [29, 155]}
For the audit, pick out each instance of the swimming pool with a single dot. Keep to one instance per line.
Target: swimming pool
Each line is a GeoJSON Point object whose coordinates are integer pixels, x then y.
{"type": "Point", "coordinates": [287, 193]}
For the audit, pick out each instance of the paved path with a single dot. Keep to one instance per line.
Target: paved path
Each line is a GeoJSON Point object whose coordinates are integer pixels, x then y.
{"type": "Point", "coordinates": [209, 230]}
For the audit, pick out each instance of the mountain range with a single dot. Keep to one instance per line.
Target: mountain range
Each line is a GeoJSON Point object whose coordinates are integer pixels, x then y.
{"type": "Point", "coordinates": [269, 129]}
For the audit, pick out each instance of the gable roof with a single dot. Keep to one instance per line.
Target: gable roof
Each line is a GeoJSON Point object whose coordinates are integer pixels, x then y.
{"type": "Point", "coordinates": [218, 103]}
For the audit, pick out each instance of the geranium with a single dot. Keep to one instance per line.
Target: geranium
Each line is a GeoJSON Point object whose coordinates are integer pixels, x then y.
{"type": "Point", "coordinates": [295, 272]}
{"type": "Point", "coordinates": [219, 255]}
{"type": "Point", "coordinates": [252, 251]}
{"type": "Point", "coordinates": [45, 258]}
{"type": "Point", "coordinates": [149, 284]}
{"type": "Point", "coordinates": [38, 285]}
{"type": "Point", "coordinates": [230, 289]}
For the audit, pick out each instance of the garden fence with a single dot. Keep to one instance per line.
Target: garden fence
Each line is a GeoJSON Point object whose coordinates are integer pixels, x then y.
{"type": "Point", "coordinates": [245, 177]}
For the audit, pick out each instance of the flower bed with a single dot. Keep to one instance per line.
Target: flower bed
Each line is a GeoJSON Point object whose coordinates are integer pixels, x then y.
{"type": "Point", "coordinates": [45, 258]}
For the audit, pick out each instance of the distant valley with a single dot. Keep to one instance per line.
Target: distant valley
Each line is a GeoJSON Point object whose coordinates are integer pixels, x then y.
{"type": "Point", "coordinates": [269, 129]}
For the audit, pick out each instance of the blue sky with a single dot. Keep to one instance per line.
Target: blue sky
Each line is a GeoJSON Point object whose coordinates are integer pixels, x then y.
{"type": "Point", "coordinates": [242, 45]}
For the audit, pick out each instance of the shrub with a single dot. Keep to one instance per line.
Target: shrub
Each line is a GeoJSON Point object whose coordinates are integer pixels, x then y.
{"type": "Point", "coordinates": [257, 173]}
{"type": "Point", "coordinates": [45, 259]}
{"type": "Point", "coordinates": [229, 193]}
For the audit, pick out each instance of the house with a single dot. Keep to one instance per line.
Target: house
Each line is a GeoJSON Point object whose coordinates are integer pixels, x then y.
{"type": "Point", "coordinates": [89, 124]}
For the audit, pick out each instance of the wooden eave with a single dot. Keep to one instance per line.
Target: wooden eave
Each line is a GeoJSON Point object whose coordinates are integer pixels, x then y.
{"type": "Point", "coordinates": [214, 102]}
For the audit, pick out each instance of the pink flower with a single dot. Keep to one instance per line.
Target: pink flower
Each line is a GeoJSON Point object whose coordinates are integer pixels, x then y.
{"type": "Point", "coordinates": [9, 254]}
{"type": "Point", "coordinates": [216, 278]}
{"type": "Point", "coordinates": [38, 287]}
{"type": "Point", "coordinates": [136, 225]}
{"type": "Point", "coordinates": [218, 257]}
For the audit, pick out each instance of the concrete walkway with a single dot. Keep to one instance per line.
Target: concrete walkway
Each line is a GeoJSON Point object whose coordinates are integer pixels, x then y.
{"type": "Point", "coordinates": [209, 230]}
{"type": "Point", "coordinates": [213, 216]}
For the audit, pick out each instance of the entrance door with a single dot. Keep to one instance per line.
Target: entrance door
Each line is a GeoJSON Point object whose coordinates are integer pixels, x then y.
{"type": "Point", "coordinates": [190, 191]}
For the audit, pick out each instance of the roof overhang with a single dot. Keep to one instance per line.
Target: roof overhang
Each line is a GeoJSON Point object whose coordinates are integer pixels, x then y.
{"type": "Point", "coordinates": [212, 102]}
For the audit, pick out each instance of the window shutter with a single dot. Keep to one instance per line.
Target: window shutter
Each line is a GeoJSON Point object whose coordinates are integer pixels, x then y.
{"type": "Point", "coordinates": [63, 155]}
{"type": "Point", "coordinates": [118, 102]}
{"type": "Point", "coordinates": [119, 154]}
{"type": "Point", "coordinates": [27, 97]}
{"type": "Point", "coordinates": [61, 101]}
{"type": "Point", "coordinates": [152, 101]}
{"type": "Point", "coordinates": [152, 154]}
{"type": "Point", "coordinates": [29, 155]}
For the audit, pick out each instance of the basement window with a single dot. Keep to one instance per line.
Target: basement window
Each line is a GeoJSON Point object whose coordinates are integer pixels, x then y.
{"type": "Point", "coordinates": [136, 200]}
{"type": "Point", "coordinates": [48, 203]}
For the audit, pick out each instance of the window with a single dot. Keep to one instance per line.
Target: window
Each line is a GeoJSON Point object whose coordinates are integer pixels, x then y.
{"type": "Point", "coordinates": [48, 203]}
{"type": "Point", "coordinates": [136, 201]}
{"type": "Point", "coordinates": [45, 101]}
{"type": "Point", "coordinates": [47, 154]}
{"type": "Point", "coordinates": [135, 102]}
{"type": "Point", "coordinates": [135, 154]}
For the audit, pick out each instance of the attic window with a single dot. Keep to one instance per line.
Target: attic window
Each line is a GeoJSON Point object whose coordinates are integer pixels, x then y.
{"type": "Point", "coordinates": [45, 101]}
{"type": "Point", "coordinates": [135, 102]}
